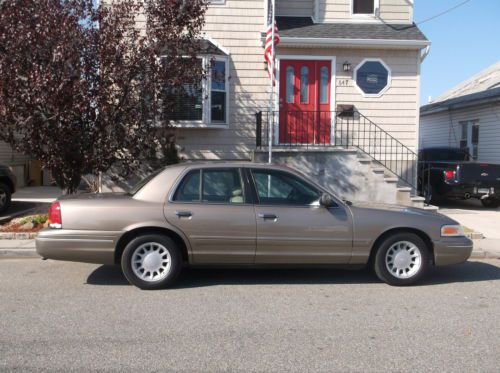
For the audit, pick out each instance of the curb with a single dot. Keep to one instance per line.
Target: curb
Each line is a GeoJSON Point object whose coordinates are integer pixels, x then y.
{"type": "Point", "coordinates": [12, 253]}
{"type": "Point", "coordinates": [17, 236]}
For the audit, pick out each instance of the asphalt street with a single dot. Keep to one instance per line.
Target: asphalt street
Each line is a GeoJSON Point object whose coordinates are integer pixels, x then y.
{"type": "Point", "coordinates": [57, 316]}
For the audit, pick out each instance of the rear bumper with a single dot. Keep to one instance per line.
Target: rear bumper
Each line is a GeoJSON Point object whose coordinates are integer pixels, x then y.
{"type": "Point", "coordinates": [452, 250]}
{"type": "Point", "coordinates": [77, 246]}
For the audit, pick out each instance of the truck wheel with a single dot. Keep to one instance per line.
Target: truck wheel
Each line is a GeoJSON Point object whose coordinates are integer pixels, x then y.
{"type": "Point", "coordinates": [151, 261]}
{"type": "Point", "coordinates": [431, 195]}
{"type": "Point", "coordinates": [5, 197]}
{"type": "Point", "coordinates": [402, 259]}
{"type": "Point", "coordinates": [491, 202]}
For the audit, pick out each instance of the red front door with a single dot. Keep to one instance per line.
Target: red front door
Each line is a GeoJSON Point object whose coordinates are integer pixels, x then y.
{"type": "Point", "coordinates": [305, 102]}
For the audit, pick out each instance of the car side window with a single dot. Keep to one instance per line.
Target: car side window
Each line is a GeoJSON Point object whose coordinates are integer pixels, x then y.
{"type": "Point", "coordinates": [222, 186]}
{"type": "Point", "coordinates": [189, 188]}
{"type": "Point", "coordinates": [214, 185]}
{"type": "Point", "coordinates": [281, 188]}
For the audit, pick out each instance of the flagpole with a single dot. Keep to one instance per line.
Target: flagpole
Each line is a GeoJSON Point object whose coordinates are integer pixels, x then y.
{"type": "Point", "coordinates": [270, 118]}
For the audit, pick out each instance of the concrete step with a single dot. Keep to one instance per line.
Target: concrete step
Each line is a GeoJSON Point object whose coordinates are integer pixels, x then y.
{"type": "Point", "coordinates": [391, 180]}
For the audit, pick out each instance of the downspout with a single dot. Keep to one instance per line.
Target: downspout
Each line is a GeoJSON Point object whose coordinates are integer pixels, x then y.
{"type": "Point", "coordinates": [426, 52]}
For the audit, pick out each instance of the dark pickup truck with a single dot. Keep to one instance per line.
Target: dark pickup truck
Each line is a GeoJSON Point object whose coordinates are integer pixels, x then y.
{"type": "Point", "coordinates": [448, 173]}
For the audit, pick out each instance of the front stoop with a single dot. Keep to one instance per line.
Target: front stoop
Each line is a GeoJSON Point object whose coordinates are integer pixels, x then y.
{"type": "Point", "coordinates": [347, 172]}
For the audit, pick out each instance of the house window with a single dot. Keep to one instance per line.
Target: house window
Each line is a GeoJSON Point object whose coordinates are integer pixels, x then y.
{"type": "Point", "coordinates": [363, 7]}
{"type": "Point", "coordinates": [325, 79]}
{"type": "Point", "coordinates": [206, 103]}
{"type": "Point", "coordinates": [304, 84]}
{"type": "Point", "coordinates": [218, 91]}
{"type": "Point", "coordinates": [469, 139]}
{"type": "Point", "coordinates": [188, 102]}
{"type": "Point", "coordinates": [290, 77]}
{"type": "Point", "coordinates": [373, 77]}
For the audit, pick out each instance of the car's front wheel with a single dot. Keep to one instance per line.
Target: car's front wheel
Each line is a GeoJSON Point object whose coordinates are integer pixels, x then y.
{"type": "Point", "coordinates": [151, 261]}
{"type": "Point", "coordinates": [5, 197]}
{"type": "Point", "coordinates": [402, 259]}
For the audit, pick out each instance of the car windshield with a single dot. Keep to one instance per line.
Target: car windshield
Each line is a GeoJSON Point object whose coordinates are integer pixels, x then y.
{"type": "Point", "coordinates": [132, 191]}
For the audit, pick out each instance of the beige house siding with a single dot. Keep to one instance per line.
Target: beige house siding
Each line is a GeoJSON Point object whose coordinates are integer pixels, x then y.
{"type": "Point", "coordinates": [443, 129]}
{"type": "Point", "coordinates": [236, 26]}
{"type": "Point", "coordinates": [396, 111]}
{"type": "Point", "coordinates": [299, 8]}
{"type": "Point", "coordinates": [390, 11]}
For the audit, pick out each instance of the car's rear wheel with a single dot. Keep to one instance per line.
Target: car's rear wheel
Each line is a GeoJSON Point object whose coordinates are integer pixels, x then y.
{"type": "Point", "coordinates": [151, 261]}
{"type": "Point", "coordinates": [402, 259]}
{"type": "Point", "coordinates": [491, 202]}
{"type": "Point", "coordinates": [5, 197]}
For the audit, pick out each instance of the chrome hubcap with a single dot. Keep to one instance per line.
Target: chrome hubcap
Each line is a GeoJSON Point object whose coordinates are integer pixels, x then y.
{"type": "Point", "coordinates": [403, 259]}
{"type": "Point", "coordinates": [151, 262]}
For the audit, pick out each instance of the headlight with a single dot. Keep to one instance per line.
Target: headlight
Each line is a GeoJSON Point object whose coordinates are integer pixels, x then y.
{"type": "Point", "coordinates": [452, 231]}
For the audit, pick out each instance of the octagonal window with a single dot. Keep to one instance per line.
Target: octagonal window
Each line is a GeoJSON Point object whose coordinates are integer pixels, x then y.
{"type": "Point", "coordinates": [372, 77]}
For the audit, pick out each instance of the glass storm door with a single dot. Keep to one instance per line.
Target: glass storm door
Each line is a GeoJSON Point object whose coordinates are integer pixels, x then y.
{"type": "Point", "coordinates": [305, 102]}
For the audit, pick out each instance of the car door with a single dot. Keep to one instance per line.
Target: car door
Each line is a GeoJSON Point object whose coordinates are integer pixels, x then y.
{"type": "Point", "coordinates": [292, 227]}
{"type": "Point", "coordinates": [210, 206]}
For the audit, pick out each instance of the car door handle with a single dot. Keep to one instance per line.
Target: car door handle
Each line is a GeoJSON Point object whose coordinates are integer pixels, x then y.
{"type": "Point", "coordinates": [268, 216]}
{"type": "Point", "coordinates": [183, 214]}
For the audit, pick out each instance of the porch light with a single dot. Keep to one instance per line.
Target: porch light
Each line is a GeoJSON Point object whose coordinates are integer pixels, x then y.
{"type": "Point", "coordinates": [347, 66]}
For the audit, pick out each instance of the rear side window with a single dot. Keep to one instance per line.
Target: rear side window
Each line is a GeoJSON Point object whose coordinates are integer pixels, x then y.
{"type": "Point", "coordinates": [189, 188]}
{"type": "Point", "coordinates": [222, 186]}
{"type": "Point", "coordinates": [214, 185]}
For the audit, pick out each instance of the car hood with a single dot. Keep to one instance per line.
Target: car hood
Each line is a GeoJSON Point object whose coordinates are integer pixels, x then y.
{"type": "Point", "coordinates": [399, 209]}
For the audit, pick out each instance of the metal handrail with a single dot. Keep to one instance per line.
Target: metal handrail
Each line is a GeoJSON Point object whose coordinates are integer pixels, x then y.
{"type": "Point", "coordinates": [307, 129]}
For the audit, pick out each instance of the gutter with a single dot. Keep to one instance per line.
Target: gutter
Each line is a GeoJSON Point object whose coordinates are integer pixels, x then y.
{"type": "Point", "coordinates": [355, 42]}
{"type": "Point", "coordinates": [425, 53]}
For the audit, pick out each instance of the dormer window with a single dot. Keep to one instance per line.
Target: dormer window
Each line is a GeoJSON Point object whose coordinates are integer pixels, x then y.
{"type": "Point", "coordinates": [363, 7]}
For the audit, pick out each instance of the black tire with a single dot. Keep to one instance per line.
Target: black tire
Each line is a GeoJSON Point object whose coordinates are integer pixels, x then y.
{"type": "Point", "coordinates": [431, 194]}
{"type": "Point", "coordinates": [175, 260]}
{"type": "Point", "coordinates": [5, 197]}
{"type": "Point", "coordinates": [387, 276]}
{"type": "Point", "coordinates": [491, 202]}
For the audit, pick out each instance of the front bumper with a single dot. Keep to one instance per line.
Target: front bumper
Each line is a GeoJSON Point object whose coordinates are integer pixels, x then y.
{"type": "Point", "coordinates": [452, 250]}
{"type": "Point", "coordinates": [77, 246]}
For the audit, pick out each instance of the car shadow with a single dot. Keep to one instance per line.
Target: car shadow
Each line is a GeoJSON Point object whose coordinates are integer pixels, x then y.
{"type": "Point", "coordinates": [202, 277]}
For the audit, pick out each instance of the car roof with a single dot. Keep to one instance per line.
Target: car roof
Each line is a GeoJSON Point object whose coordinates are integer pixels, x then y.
{"type": "Point", "coordinates": [218, 164]}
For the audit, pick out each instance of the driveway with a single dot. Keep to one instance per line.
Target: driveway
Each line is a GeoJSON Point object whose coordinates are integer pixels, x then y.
{"type": "Point", "coordinates": [66, 317]}
{"type": "Point", "coordinates": [474, 216]}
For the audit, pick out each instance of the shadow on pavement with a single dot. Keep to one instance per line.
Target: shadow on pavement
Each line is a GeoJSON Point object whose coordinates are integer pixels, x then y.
{"type": "Point", "coordinates": [470, 204]}
{"type": "Point", "coordinates": [201, 277]}
{"type": "Point", "coordinates": [16, 208]}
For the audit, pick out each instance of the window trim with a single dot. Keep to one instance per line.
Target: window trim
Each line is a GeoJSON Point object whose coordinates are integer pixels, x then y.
{"type": "Point", "coordinates": [375, 14]}
{"type": "Point", "coordinates": [256, 191]}
{"type": "Point", "coordinates": [206, 121]}
{"type": "Point", "coordinates": [389, 78]}
{"type": "Point", "coordinates": [246, 200]}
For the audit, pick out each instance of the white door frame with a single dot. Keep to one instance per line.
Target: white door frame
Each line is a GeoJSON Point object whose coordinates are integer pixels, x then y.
{"type": "Point", "coordinates": [333, 91]}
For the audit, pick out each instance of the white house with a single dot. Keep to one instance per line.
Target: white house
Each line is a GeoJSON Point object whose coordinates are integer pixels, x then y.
{"type": "Point", "coordinates": [467, 116]}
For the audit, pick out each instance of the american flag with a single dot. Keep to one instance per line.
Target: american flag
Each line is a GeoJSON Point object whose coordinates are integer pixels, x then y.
{"type": "Point", "coordinates": [269, 56]}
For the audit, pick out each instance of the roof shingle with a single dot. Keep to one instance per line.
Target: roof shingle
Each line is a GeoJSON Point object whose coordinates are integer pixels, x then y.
{"type": "Point", "coordinates": [304, 27]}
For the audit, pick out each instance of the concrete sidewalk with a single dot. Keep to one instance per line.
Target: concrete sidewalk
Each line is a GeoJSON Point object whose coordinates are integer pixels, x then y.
{"type": "Point", "coordinates": [41, 194]}
{"type": "Point", "coordinates": [483, 249]}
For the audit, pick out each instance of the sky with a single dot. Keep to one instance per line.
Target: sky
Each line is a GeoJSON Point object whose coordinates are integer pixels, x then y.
{"type": "Point", "coordinates": [464, 42]}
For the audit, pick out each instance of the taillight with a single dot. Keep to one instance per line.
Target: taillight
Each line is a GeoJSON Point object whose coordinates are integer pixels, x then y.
{"type": "Point", "coordinates": [450, 175]}
{"type": "Point", "coordinates": [55, 219]}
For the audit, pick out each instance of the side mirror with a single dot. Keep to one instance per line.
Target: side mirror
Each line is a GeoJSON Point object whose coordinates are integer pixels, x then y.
{"type": "Point", "coordinates": [327, 201]}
